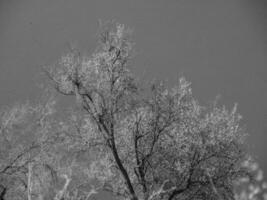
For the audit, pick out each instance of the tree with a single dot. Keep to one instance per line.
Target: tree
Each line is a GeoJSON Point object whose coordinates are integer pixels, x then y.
{"type": "Point", "coordinates": [24, 134]}
{"type": "Point", "coordinates": [37, 153]}
{"type": "Point", "coordinates": [149, 144]}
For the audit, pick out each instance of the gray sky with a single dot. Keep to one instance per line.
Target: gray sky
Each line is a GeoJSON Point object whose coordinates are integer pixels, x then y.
{"type": "Point", "coordinates": [219, 45]}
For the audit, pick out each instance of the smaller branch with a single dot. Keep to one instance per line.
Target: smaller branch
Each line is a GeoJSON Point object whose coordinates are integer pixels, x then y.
{"type": "Point", "coordinates": [92, 192]}
{"type": "Point", "coordinates": [161, 190]}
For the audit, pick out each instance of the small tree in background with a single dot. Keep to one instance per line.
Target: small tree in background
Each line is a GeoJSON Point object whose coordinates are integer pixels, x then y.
{"type": "Point", "coordinates": [24, 131]}
{"type": "Point", "coordinates": [148, 144]}
{"type": "Point", "coordinates": [38, 153]}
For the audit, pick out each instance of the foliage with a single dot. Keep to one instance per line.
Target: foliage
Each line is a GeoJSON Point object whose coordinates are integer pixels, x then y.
{"type": "Point", "coordinates": [156, 144]}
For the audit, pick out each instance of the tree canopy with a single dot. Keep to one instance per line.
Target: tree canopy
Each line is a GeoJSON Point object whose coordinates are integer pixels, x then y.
{"type": "Point", "coordinates": [157, 146]}
{"type": "Point", "coordinates": [136, 142]}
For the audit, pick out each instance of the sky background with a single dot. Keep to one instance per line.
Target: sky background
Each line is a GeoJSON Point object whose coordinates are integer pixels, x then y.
{"type": "Point", "coordinates": [218, 45]}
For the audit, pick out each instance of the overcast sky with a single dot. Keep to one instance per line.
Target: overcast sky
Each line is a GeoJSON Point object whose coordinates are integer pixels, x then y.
{"type": "Point", "coordinates": [218, 45]}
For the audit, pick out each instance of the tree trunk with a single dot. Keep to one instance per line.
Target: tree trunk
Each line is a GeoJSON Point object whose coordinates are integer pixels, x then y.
{"type": "Point", "coordinates": [123, 171]}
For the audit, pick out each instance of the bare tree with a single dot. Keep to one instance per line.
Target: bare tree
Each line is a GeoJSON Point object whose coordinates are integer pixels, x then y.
{"type": "Point", "coordinates": [157, 144]}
